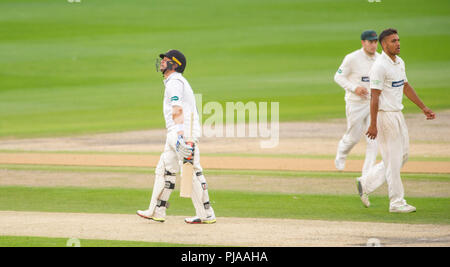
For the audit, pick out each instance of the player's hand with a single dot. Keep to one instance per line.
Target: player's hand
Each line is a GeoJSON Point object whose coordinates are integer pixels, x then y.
{"type": "Point", "coordinates": [362, 92]}
{"type": "Point", "coordinates": [184, 150]}
{"type": "Point", "coordinates": [429, 113]}
{"type": "Point", "coordinates": [372, 132]}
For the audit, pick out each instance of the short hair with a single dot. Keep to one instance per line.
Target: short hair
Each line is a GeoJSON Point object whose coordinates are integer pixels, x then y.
{"type": "Point", "coordinates": [386, 33]}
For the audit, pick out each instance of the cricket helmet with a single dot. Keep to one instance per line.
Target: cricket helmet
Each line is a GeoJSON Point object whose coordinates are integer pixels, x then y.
{"type": "Point", "coordinates": [177, 57]}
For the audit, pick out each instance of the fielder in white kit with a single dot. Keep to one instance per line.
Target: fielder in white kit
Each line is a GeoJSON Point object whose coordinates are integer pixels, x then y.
{"type": "Point", "coordinates": [353, 76]}
{"type": "Point", "coordinates": [179, 104]}
{"type": "Point", "coordinates": [388, 83]}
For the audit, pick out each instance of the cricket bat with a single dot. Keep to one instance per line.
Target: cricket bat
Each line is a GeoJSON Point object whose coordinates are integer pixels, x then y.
{"type": "Point", "coordinates": [187, 171]}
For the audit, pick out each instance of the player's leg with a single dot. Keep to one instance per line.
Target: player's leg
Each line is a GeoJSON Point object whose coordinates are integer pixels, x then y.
{"type": "Point", "coordinates": [354, 132]}
{"type": "Point", "coordinates": [405, 139]}
{"type": "Point", "coordinates": [373, 176]}
{"type": "Point", "coordinates": [392, 151]}
{"type": "Point", "coordinates": [200, 197]}
{"type": "Point", "coordinates": [397, 189]}
{"type": "Point", "coordinates": [165, 177]}
{"type": "Point", "coordinates": [371, 147]}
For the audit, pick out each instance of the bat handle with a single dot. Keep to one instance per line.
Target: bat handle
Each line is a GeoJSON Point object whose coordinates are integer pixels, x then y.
{"type": "Point", "coordinates": [191, 144]}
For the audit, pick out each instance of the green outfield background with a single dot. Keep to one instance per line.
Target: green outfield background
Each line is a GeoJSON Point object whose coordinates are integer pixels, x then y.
{"type": "Point", "coordinates": [76, 68]}
{"type": "Point", "coordinates": [71, 68]}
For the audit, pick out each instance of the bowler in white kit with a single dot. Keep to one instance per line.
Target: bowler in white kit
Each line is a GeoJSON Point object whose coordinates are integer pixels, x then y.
{"type": "Point", "coordinates": [179, 104]}
{"type": "Point", "coordinates": [388, 83]}
{"type": "Point", "coordinates": [353, 77]}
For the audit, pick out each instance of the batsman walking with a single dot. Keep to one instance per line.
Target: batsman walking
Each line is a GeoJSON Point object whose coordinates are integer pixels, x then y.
{"type": "Point", "coordinates": [353, 76]}
{"type": "Point", "coordinates": [179, 109]}
{"type": "Point", "coordinates": [388, 83]}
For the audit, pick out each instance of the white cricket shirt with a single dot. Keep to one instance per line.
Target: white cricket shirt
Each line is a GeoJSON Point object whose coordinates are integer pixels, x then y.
{"type": "Point", "coordinates": [354, 72]}
{"type": "Point", "coordinates": [389, 77]}
{"type": "Point", "coordinates": [178, 92]}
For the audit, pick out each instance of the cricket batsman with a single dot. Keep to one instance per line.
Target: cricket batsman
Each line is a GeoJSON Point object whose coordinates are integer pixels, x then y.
{"type": "Point", "coordinates": [179, 104]}
{"type": "Point", "coordinates": [388, 83]}
{"type": "Point", "coordinates": [353, 76]}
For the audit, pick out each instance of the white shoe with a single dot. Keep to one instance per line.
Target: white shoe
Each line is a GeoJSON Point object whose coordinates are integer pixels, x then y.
{"type": "Point", "coordinates": [362, 194]}
{"type": "Point", "coordinates": [146, 215]}
{"type": "Point", "coordinates": [340, 164]}
{"type": "Point", "coordinates": [197, 220]}
{"type": "Point", "coordinates": [402, 209]}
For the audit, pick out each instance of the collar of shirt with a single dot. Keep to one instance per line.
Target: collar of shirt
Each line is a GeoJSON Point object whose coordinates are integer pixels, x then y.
{"type": "Point", "coordinates": [170, 76]}
{"type": "Point", "coordinates": [367, 56]}
{"type": "Point", "coordinates": [388, 58]}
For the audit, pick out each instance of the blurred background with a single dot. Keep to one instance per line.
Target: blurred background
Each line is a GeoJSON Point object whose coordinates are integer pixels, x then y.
{"type": "Point", "coordinates": [88, 67]}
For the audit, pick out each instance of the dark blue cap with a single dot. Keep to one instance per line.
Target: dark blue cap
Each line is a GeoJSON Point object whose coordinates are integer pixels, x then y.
{"type": "Point", "coordinates": [369, 35]}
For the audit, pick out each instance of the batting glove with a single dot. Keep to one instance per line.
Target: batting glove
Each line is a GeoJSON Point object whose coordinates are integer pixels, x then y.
{"type": "Point", "coordinates": [183, 149]}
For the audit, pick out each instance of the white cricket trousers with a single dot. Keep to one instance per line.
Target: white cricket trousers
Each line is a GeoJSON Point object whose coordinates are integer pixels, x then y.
{"type": "Point", "coordinates": [393, 141]}
{"type": "Point", "coordinates": [358, 120]}
{"type": "Point", "coordinates": [168, 166]}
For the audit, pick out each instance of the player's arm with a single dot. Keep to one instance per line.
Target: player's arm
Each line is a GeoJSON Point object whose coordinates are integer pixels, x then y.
{"type": "Point", "coordinates": [377, 78]}
{"type": "Point", "coordinates": [175, 93]}
{"type": "Point", "coordinates": [177, 115]}
{"type": "Point", "coordinates": [412, 95]}
{"type": "Point", "coordinates": [178, 118]}
{"type": "Point", "coordinates": [341, 78]}
{"type": "Point", "coordinates": [372, 132]}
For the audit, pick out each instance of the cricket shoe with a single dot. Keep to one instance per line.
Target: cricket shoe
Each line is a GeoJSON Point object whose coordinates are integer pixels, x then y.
{"type": "Point", "coordinates": [362, 194]}
{"type": "Point", "coordinates": [144, 214]}
{"type": "Point", "coordinates": [402, 209]}
{"type": "Point", "coordinates": [197, 220]}
{"type": "Point", "coordinates": [340, 164]}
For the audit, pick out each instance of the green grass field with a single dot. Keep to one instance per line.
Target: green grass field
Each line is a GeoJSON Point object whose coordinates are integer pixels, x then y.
{"type": "Point", "coordinates": [88, 67]}
{"type": "Point", "coordinates": [237, 203]}
{"type": "Point", "coordinates": [256, 173]}
{"type": "Point", "coordinates": [77, 68]}
{"type": "Point", "coordinates": [227, 203]}
{"type": "Point", "coordinates": [28, 241]}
